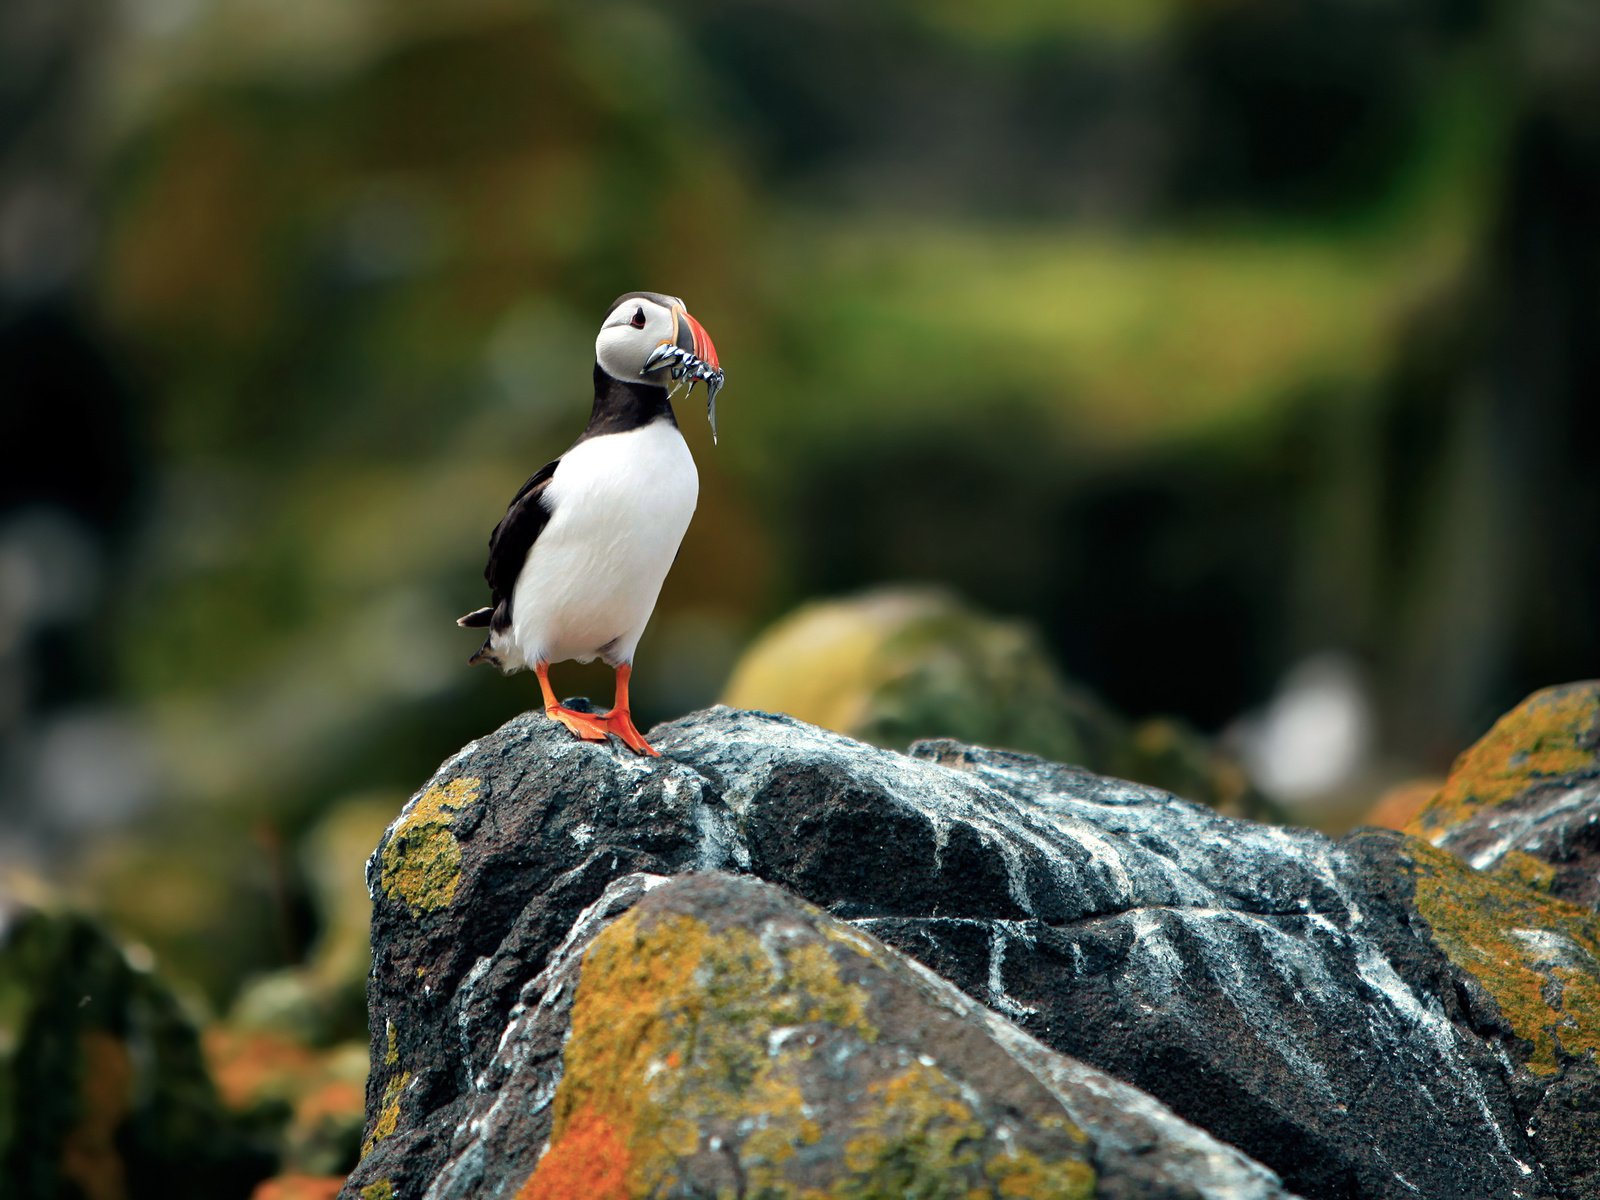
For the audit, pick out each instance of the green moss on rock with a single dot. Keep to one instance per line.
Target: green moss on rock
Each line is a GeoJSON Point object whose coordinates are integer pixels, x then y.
{"type": "Point", "coordinates": [421, 858]}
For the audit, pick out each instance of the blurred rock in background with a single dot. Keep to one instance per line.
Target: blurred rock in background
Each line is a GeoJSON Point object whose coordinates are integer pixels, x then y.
{"type": "Point", "coordinates": [103, 1090]}
{"type": "Point", "coordinates": [896, 665]}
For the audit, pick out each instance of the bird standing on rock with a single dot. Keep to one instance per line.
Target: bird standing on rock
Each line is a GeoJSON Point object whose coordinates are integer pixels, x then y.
{"type": "Point", "coordinates": [577, 562]}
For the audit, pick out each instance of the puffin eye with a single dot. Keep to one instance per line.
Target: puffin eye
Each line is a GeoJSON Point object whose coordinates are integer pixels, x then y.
{"type": "Point", "coordinates": [638, 318]}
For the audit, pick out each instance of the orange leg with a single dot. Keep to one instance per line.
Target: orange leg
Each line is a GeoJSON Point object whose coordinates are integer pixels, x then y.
{"type": "Point", "coordinates": [583, 725]}
{"type": "Point", "coordinates": [620, 721]}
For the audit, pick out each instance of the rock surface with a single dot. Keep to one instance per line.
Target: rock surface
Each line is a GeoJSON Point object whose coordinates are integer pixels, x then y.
{"type": "Point", "coordinates": [1524, 800]}
{"type": "Point", "coordinates": [1365, 1018]}
{"type": "Point", "coordinates": [712, 1035]}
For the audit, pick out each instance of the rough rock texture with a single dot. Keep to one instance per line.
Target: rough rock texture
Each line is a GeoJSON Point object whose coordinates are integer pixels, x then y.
{"type": "Point", "coordinates": [1524, 801]}
{"type": "Point", "coordinates": [1370, 1018]}
{"type": "Point", "coordinates": [103, 1092]}
{"type": "Point", "coordinates": [723, 1037]}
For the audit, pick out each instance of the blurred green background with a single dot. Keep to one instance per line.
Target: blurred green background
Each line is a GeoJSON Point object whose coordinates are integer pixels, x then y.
{"type": "Point", "coordinates": [1247, 352]}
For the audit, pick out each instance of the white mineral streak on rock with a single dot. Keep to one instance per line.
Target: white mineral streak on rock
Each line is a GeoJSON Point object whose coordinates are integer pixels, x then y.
{"type": "Point", "coordinates": [1419, 1017]}
{"type": "Point", "coordinates": [1554, 948]}
{"type": "Point", "coordinates": [941, 839]}
{"type": "Point", "coordinates": [1124, 1123]}
{"type": "Point", "coordinates": [1161, 966]}
{"type": "Point", "coordinates": [1103, 856]}
{"type": "Point", "coordinates": [721, 847]}
{"type": "Point", "coordinates": [997, 958]}
{"type": "Point", "coordinates": [463, 995]}
{"type": "Point", "coordinates": [769, 938]}
{"type": "Point", "coordinates": [1519, 825]}
{"type": "Point", "coordinates": [1287, 956]}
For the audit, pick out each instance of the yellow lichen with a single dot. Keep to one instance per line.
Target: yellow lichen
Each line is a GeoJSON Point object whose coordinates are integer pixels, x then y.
{"type": "Point", "coordinates": [918, 1128]}
{"type": "Point", "coordinates": [1538, 957]}
{"type": "Point", "coordinates": [1549, 735]}
{"type": "Point", "coordinates": [382, 1190]}
{"type": "Point", "coordinates": [422, 859]}
{"type": "Point", "coordinates": [1023, 1175]}
{"type": "Point", "coordinates": [1531, 872]}
{"type": "Point", "coordinates": [677, 1031]}
{"type": "Point", "coordinates": [388, 1113]}
{"type": "Point", "coordinates": [391, 1053]}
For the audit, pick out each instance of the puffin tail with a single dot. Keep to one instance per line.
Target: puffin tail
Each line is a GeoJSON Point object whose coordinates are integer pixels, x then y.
{"type": "Point", "coordinates": [477, 619]}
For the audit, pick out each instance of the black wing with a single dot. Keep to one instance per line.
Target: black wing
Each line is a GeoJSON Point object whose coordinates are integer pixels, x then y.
{"type": "Point", "coordinates": [513, 538]}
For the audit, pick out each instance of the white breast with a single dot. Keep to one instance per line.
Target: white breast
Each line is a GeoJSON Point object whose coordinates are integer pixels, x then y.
{"type": "Point", "coordinates": [619, 506]}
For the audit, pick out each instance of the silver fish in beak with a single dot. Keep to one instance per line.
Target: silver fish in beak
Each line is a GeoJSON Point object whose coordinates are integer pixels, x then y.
{"type": "Point", "coordinates": [693, 357]}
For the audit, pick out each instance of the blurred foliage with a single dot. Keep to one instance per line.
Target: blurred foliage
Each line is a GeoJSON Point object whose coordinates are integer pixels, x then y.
{"type": "Point", "coordinates": [103, 1092]}
{"type": "Point", "coordinates": [1200, 336]}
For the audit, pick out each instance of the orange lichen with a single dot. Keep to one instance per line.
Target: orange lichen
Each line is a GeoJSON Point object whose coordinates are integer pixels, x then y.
{"type": "Point", "coordinates": [331, 1101]}
{"type": "Point", "coordinates": [1398, 807]}
{"type": "Point", "coordinates": [1538, 957]}
{"type": "Point", "coordinates": [299, 1187]}
{"type": "Point", "coordinates": [662, 1035]}
{"type": "Point", "coordinates": [89, 1155]}
{"type": "Point", "coordinates": [1551, 734]}
{"type": "Point", "coordinates": [590, 1162]}
{"type": "Point", "coordinates": [250, 1067]}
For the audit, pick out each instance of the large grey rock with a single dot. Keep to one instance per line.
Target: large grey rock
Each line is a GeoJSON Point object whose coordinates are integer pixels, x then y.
{"type": "Point", "coordinates": [727, 1038]}
{"type": "Point", "coordinates": [1277, 989]}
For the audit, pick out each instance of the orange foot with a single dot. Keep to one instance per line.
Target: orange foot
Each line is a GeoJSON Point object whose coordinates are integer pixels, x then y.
{"type": "Point", "coordinates": [620, 722]}
{"type": "Point", "coordinates": [583, 725]}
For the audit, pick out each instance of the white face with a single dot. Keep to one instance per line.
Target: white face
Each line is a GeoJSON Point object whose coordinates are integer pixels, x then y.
{"type": "Point", "coordinates": [631, 333]}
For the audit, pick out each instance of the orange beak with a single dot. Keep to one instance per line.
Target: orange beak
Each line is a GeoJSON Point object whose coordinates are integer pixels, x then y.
{"type": "Point", "coordinates": [703, 348]}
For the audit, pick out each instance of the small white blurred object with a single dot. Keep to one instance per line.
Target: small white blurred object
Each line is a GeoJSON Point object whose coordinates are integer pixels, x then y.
{"type": "Point", "coordinates": [1315, 738]}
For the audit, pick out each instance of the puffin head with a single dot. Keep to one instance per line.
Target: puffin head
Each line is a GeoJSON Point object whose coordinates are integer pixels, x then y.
{"type": "Point", "coordinates": [650, 337]}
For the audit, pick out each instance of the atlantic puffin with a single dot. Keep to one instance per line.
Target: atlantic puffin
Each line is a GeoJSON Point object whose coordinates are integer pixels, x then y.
{"type": "Point", "coordinates": [577, 562]}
